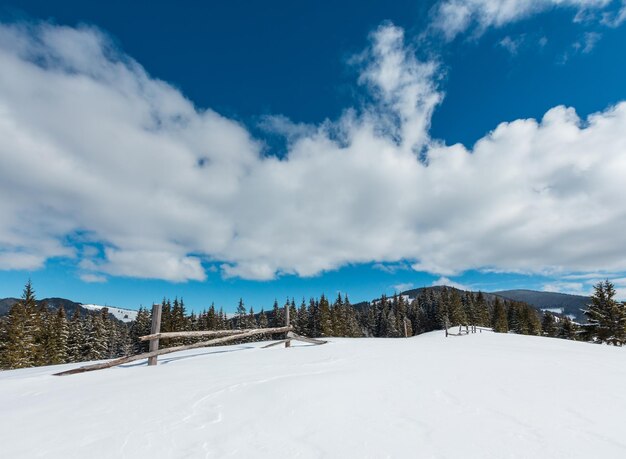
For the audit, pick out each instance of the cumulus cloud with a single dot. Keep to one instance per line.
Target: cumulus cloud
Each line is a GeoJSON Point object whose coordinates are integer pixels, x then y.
{"type": "Point", "coordinates": [92, 145]}
{"type": "Point", "coordinates": [453, 17]}
{"type": "Point", "coordinates": [447, 282]}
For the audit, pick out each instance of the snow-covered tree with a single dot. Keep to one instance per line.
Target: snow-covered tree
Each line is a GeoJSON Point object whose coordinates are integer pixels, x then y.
{"type": "Point", "coordinates": [606, 317]}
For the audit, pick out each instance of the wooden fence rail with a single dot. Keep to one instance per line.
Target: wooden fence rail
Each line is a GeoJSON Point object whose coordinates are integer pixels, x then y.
{"type": "Point", "coordinates": [169, 350]}
{"type": "Point", "coordinates": [219, 337]}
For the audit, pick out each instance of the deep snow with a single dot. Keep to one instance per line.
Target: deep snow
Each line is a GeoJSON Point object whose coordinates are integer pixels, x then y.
{"type": "Point", "coordinates": [478, 396]}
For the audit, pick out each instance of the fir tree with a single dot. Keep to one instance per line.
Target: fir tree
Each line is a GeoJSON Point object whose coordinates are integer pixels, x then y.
{"type": "Point", "coordinates": [568, 329]}
{"type": "Point", "coordinates": [96, 343]}
{"type": "Point", "coordinates": [548, 324]}
{"type": "Point", "coordinates": [500, 322]}
{"type": "Point", "coordinates": [606, 317]}
{"type": "Point", "coordinates": [263, 322]}
{"type": "Point", "coordinates": [76, 338]}
{"type": "Point", "coordinates": [240, 318]}
{"type": "Point", "coordinates": [482, 310]}
{"type": "Point", "coordinates": [59, 336]}
{"type": "Point", "coordinates": [20, 349]}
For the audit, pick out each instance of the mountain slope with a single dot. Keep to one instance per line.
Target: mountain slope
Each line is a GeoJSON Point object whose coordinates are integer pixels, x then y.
{"type": "Point", "coordinates": [479, 396]}
{"type": "Point", "coordinates": [124, 315]}
{"type": "Point", "coordinates": [570, 305]}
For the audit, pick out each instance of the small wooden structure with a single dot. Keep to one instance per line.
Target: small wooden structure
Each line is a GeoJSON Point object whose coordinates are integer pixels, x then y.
{"type": "Point", "coordinates": [463, 331]}
{"type": "Point", "coordinates": [217, 337]}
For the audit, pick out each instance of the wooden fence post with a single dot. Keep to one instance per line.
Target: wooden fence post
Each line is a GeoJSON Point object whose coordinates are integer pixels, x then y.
{"type": "Point", "coordinates": [288, 342]}
{"type": "Point", "coordinates": [156, 328]}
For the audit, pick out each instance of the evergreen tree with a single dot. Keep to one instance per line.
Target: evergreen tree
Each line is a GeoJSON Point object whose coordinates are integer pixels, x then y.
{"type": "Point", "coordinates": [251, 321]}
{"type": "Point", "coordinates": [303, 319]}
{"type": "Point", "coordinates": [96, 344]}
{"type": "Point", "coordinates": [212, 322]}
{"type": "Point", "coordinates": [548, 324]}
{"type": "Point", "coordinates": [482, 310]}
{"type": "Point", "coordinates": [568, 329]}
{"type": "Point", "coordinates": [240, 317]}
{"type": "Point", "coordinates": [20, 349]}
{"type": "Point", "coordinates": [59, 338]}
{"type": "Point", "coordinates": [141, 327]}
{"type": "Point", "coordinates": [606, 317]}
{"type": "Point", "coordinates": [500, 322]}
{"type": "Point", "coordinates": [326, 323]}
{"type": "Point", "coordinates": [76, 338]}
{"type": "Point", "coordinates": [456, 311]}
{"type": "Point", "coordinates": [263, 322]}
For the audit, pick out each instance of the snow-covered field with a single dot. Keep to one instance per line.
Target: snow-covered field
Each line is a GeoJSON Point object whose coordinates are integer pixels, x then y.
{"type": "Point", "coordinates": [477, 396]}
{"type": "Point", "coordinates": [125, 315]}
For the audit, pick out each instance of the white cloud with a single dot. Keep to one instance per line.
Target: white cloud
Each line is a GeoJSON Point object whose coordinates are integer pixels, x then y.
{"type": "Point", "coordinates": [92, 145]}
{"type": "Point", "coordinates": [590, 39]}
{"type": "Point", "coordinates": [573, 288]}
{"type": "Point", "coordinates": [615, 18]}
{"type": "Point", "coordinates": [450, 283]}
{"type": "Point", "coordinates": [586, 283]}
{"type": "Point", "coordinates": [392, 268]}
{"type": "Point", "coordinates": [93, 278]}
{"type": "Point", "coordinates": [512, 45]}
{"type": "Point", "coordinates": [10, 260]}
{"type": "Point", "coordinates": [453, 17]}
{"type": "Point", "coordinates": [403, 287]}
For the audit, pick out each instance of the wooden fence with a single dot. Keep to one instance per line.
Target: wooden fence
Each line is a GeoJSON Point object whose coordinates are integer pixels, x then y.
{"type": "Point", "coordinates": [218, 337]}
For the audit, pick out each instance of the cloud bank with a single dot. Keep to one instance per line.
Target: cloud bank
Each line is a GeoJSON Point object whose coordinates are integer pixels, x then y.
{"type": "Point", "coordinates": [453, 17]}
{"type": "Point", "coordinates": [105, 164]}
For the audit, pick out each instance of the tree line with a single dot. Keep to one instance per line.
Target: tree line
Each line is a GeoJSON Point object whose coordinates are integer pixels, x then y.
{"type": "Point", "coordinates": [33, 335]}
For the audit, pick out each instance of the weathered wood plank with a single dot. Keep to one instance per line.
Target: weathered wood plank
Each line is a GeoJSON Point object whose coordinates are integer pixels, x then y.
{"type": "Point", "coordinates": [287, 341]}
{"type": "Point", "coordinates": [169, 350]}
{"type": "Point", "coordinates": [191, 334]}
{"type": "Point", "coordinates": [156, 328]}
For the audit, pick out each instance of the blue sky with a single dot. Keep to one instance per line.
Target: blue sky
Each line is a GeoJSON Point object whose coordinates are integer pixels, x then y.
{"type": "Point", "coordinates": [310, 120]}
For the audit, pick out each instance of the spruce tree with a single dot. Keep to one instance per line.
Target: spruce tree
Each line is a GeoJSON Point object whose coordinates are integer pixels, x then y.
{"type": "Point", "coordinates": [500, 322]}
{"type": "Point", "coordinates": [76, 338]}
{"type": "Point", "coordinates": [20, 350]}
{"type": "Point", "coordinates": [482, 310]}
{"type": "Point", "coordinates": [240, 318]}
{"type": "Point", "coordinates": [606, 317]}
{"type": "Point", "coordinates": [59, 336]}
{"type": "Point", "coordinates": [568, 329]}
{"type": "Point", "coordinates": [20, 343]}
{"type": "Point", "coordinates": [548, 324]}
{"type": "Point", "coordinates": [96, 345]}
{"type": "Point", "coordinates": [141, 327]}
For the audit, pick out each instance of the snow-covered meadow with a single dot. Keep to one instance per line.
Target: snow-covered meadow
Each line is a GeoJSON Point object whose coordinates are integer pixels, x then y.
{"type": "Point", "coordinates": [479, 396]}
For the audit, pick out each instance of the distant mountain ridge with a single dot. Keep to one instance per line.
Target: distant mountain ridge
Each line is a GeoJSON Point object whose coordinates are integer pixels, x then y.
{"type": "Point", "coordinates": [124, 315]}
{"type": "Point", "coordinates": [570, 305]}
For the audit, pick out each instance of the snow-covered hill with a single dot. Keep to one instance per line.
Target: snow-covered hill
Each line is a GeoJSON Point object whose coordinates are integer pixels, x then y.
{"type": "Point", "coordinates": [479, 396]}
{"type": "Point", "coordinates": [125, 315]}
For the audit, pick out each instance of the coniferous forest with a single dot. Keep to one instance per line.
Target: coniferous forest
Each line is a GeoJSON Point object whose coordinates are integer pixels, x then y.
{"type": "Point", "coordinates": [33, 335]}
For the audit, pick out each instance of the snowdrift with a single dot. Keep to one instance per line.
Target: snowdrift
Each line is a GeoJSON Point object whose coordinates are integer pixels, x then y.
{"type": "Point", "coordinates": [478, 396]}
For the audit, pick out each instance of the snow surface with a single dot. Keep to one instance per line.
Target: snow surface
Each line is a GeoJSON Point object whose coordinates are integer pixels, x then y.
{"type": "Point", "coordinates": [479, 396]}
{"type": "Point", "coordinates": [125, 315]}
